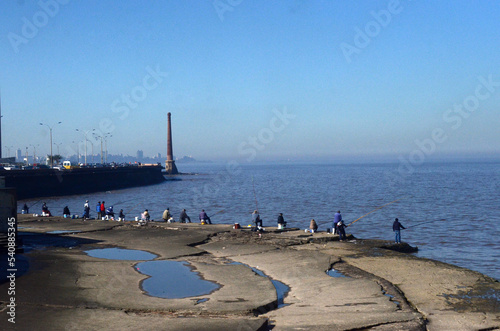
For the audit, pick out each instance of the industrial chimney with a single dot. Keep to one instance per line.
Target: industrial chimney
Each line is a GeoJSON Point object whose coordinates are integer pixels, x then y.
{"type": "Point", "coordinates": [170, 163]}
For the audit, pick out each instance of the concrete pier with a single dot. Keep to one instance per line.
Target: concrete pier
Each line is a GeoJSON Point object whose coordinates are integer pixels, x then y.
{"type": "Point", "coordinates": [65, 289]}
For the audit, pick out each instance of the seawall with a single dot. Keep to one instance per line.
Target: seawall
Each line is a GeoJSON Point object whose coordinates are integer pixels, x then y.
{"type": "Point", "coordinates": [52, 182]}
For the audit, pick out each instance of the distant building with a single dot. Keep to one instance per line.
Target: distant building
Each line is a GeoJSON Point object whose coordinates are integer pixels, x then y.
{"type": "Point", "coordinates": [140, 155]}
{"type": "Point", "coordinates": [19, 155]}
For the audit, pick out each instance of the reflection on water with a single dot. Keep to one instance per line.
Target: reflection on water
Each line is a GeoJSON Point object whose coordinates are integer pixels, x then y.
{"type": "Point", "coordinates": [334, 273]}
{"type": "Point", "coordinates": [62, 231]}
{"type": "Point", "coordinates": [173, 280]}
{"type": "Point", "coordinates": [464, 195]}
{"type": "Point", "coordinates": [281, 288]}
{"type": "Point", "coordinates": [121, 254]}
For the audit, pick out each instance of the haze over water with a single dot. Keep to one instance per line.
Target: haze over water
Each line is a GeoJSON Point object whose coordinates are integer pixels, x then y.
{"type": "Point", "coordinates": [451, 210]}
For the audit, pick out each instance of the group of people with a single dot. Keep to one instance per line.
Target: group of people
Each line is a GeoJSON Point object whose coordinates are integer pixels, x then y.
{"type": "Point", "coordinates": [184, 218]}
{"type": "Point", "coordinates": [338, 226]}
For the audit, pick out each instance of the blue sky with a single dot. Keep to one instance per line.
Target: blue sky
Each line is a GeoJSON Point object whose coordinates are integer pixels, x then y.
{"type": "Point", "coordinates": [254, 80]}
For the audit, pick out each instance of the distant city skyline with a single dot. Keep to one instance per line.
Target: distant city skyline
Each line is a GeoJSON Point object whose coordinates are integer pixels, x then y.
{"type": "Point", "coordinates": [253, 81]}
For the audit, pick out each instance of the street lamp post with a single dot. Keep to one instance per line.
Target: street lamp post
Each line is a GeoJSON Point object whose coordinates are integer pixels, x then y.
{"type": "Point", "coordinates": [85, 134]}
{"type": "Point", "coordinates": [103, 138]}
{"type": "Point", "coordinates": [34, 153]}
{"type": "Point", "coordinates": [106, 145]}
{"type": "Point", "coordinates": [51, 156]}
{"type": "Point", "coordinates": [92, 144]}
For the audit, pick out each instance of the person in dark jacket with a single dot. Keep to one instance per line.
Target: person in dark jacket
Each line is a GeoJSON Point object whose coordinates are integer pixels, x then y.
{"type": "Point", "coordinates": [281, 221]}
{"type": "Point", "coordinates": [184, 216]}
{"type": "Point", "coordinates": [256, 220]}
{"type": "Point", "coordinates": [110, 212]}
{"type": "Point", "coordinates": [204, 217]}
{"type": "Point", "coordinates": [396, 227]}
{"type": "Point", "coordinates": [336, 219]}
{"type": "Point", "coordinates": [66, 212]}
{"type": "Point", "coordinates": [86, 212]}
{"type": "Point", "coordinates": [121, 215]}
{"type": "Point", "coordinates": [341, 230]}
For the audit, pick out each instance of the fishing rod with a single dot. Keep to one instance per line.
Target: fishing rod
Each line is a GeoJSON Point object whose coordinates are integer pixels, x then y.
{"type": "Point", "coordinates": [134, 207]}
{"type": "Point", "coordinates": [366, 213]}
{"type": "Point", "coordinates": [220, 211]}
{"type": "Point", "coordinates": [35, 203]}
{"type": "Point", "coordinates": [255, 195]}
{"type": "Point", "coordinates": [375, 210]}
{"type": "Point", "coordinates": [412, 226]}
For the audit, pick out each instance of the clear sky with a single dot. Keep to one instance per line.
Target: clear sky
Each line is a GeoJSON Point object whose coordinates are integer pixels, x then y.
{"type": "Point", "coordinates": [254, 80]}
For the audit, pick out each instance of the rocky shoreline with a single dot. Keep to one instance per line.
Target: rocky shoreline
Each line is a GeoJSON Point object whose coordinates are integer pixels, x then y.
{"type": "Point", "coordinates": [380, 289]}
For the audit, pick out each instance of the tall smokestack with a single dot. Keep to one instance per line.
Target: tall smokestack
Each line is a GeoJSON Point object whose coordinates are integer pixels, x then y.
{"type": "Point", "coordinates": [170, 163]}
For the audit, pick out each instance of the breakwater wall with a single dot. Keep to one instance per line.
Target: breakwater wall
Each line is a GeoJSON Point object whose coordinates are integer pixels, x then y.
{"type": "Point", "coordinates": [52, 182]}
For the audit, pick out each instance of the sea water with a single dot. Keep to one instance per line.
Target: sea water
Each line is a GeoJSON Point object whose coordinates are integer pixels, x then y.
{"type": "Point", "coordinates": [451, 210]}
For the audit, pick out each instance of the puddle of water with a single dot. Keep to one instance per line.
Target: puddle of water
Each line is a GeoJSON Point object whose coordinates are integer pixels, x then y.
{"type": "Point", "coordinates": [281, 288]}
{"type": "Point", "coordinates": [174, 280]}
{"type": "Point", "coordinates": [62, 231]}
{"type": "Point", "coordinates": [202, 300]}
{"type": "Point", "coordinates": [121, 254]}
{"type": "Point", "coordinates": [391, 298]}
{"type": "Point", "coordinates": [335, 273]}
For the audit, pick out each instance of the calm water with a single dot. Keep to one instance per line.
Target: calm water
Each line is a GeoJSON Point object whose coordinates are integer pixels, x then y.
{"type": "Point", "coordinates": [458, 202]}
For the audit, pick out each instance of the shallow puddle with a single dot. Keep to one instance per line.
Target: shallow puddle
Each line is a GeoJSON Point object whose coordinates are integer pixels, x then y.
{"type": "Point", "coordinates": [391, 298]}
{"type": "Point", "coordinates": [62, 231]}
{"type": "Point", "coordinates": [174, 280]}
{"type": "Point", "coordinates": [121, 254]}
{"type": "Point", "coordinates": [281, 288]}
{"type": "Point", "coordinates": [334, 273]}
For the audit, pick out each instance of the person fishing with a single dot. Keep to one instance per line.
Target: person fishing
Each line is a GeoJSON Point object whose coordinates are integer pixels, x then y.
{"type": "Point", "coordinates": [281, 221]}
{"type": "Point", "coordinates": [121, 216]}
{"type": "Point", "coordinates": [396, 227]}
{"type": "Point", "coordinates": [86, 211]}
{"type": "Point", "coordinates": [204, 219]}
{"type": "Point", "coordinates": [25, 209]}
{"type": "Point", "coordinates": [45, 210]}
{"type": "Point", "coordinates": [66, 212]}
{"type": "Point", "coordinates": [184, 216]}
{"type": "Point", "coordinates": [256, 220]}
{"type": "Point", "coordinates": [110, 212]}
{"type": "Point", "coordinates": [145, 216]}
{"type": "Point", "coordinates": [341, 230]}
{"type": "Point", "coordinates": [167, 217]}
{"type": "Point", "coordinates": [313, 226]}
{"type": "Point", "coordinates": [336, 219]}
